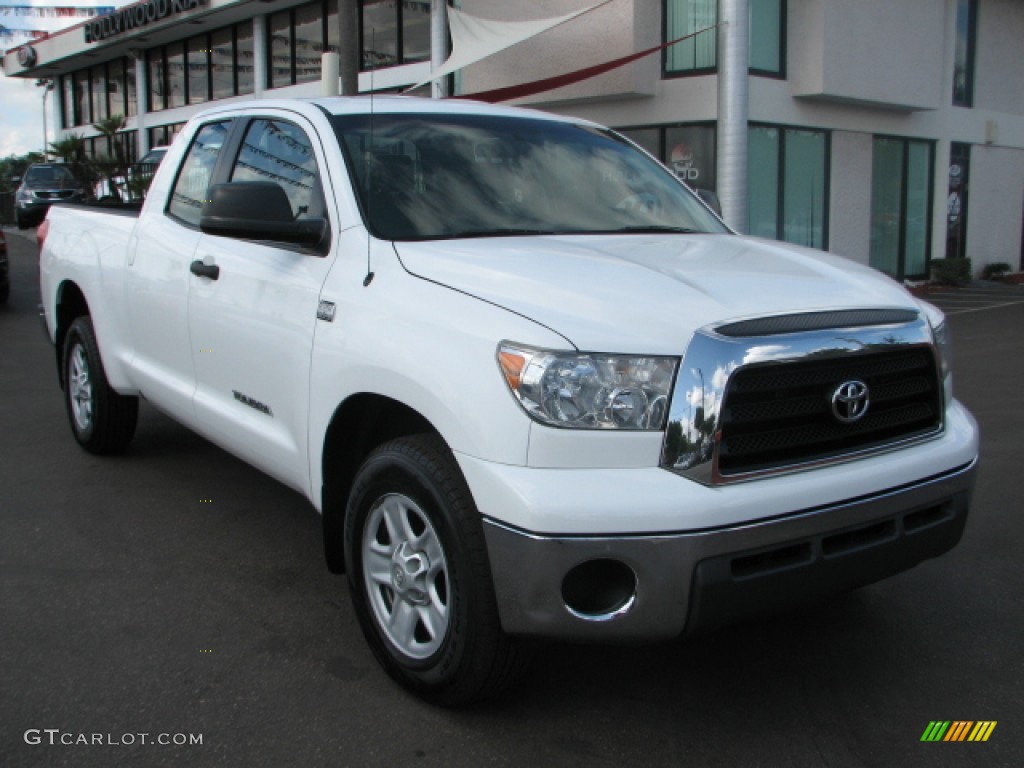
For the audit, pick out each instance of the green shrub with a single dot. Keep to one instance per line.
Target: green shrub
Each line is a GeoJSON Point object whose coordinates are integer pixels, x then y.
{"type": "Point", "coordinates": [951, 271]}
{"type": "Point", "coordinates": [995, 270]}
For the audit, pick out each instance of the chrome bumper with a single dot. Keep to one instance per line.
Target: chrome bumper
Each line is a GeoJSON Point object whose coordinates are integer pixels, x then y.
{"type": "Point", "coordinates": [689, 581]}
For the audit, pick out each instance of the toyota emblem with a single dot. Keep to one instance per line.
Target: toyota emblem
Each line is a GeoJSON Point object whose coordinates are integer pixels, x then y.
{"type": "Point", "coordinates": [850, 401]}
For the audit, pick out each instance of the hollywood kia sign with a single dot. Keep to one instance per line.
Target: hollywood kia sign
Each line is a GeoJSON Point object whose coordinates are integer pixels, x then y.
{"type": "Point", "coordinates": [135, 16]}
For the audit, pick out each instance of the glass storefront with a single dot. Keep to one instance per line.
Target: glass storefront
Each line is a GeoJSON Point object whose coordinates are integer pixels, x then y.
{"type": "Point", "coordinates": [901, 182]}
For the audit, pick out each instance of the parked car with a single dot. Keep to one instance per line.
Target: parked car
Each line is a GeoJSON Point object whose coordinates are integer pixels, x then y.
{"type": "Point", "coordinates": [42, 185]}
{"type": "Point", "coordinates": [141, 173]}
{"type": "Point", "coordinates": [5, 275]}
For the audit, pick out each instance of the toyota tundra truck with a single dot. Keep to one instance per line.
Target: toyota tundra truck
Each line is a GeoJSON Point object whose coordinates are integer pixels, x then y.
{"type": "Point", "coordinates": [534, 386]}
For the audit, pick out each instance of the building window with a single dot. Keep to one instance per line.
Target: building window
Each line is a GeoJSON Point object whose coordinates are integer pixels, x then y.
{"type": "Point", "coordinates": [393, 33]}
{"type": "Point", "coordinates": [690, 153]}
{"type": "Point", "coordinates": [67, 102]}
{"type": "Point", "coordinates": [131, 96]}
{"type": "Point", "coordinates": [787, 184]}
{"type": "Point", "coordinates": [768, 37]}
{"type": "Point", "coordinates": [205, 67]}
{"type": "Point", "coordinates": [98, 93]}
{"type": "Point", "coordinates": [245, 59]}
{"type": "Point", "coordinates": [698, 54]}
{"type": "Point", "coordinates": [222, 63]}
{"type": "Point", "coordinates": [296, 40]}
{"type": "Point", "coordinates": [688, 150]}
{"type": "Point", "coordinates": [93, 94]}
{"type": "Point", "coordinates": [901, 183]}
{"type": "Point", "coordinates": [963, 58]}
{"type": "Point", "coordinates": [115, 87]}
{"type": "Point", "coordinates": [163, 135]}
{"type": "Point", "coordinates": [156, 77]}
{"type": "Point", "coordinates": [177, 83]}
{"type": "Point", "coordinates": [309, 42]}
{"type": "Point", "coordinates": [197, 58]}
{"type": "Point", "coordinates": [956, 203]}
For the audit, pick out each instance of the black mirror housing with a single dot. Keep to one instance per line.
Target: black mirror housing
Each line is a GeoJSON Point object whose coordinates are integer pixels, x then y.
{"type": "Point", "coordinates": [258, 210]}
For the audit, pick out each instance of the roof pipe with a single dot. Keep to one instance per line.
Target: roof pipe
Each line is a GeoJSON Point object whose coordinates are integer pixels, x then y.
{"type": "Point", "coordinates": [733, 108]}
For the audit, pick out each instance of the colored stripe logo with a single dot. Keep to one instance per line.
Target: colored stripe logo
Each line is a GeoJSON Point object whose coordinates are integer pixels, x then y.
{"type": "Point", "coordinates": [958, 730]}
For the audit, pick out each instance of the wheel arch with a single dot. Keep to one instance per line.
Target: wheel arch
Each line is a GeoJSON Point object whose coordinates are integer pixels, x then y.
{"type": "Point", "coordinates": [70, 304]}
{"type": "Point", "coordinates": [359, 425]}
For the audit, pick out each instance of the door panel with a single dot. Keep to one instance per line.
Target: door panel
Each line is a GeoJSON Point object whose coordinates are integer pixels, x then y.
{"type": "Point", "coordinates": [159, 280]}
{"type": "Point", "coordinates": [252, 327]}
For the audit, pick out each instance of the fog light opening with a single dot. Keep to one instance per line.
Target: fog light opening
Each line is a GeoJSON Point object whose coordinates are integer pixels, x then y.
{"type": "Point", "coordinates": [599, 590]}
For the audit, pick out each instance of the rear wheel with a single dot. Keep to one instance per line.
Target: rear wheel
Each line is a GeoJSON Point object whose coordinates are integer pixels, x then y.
{"type": "Point", "coordinates": [102, 421]}
{"type": "Point", "coordinates": [420, 576]}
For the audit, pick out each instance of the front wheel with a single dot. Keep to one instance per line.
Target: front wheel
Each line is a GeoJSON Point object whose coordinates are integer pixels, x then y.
{"type": "Point", "coordinates": [420, 575]}
{"type": "Point", "coordinates": [102, 421]}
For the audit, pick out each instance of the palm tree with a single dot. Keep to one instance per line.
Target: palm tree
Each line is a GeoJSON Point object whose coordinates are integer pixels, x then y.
{"type": "Point", "coordinates": [113, 165]}
{"type": "Point", "coordinates": [71, 151]}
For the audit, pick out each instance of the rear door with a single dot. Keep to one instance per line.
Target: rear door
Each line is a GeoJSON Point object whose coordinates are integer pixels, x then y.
{"type": "Point", "coordinates": [252, 327]}
{"type": "Point", "coordinates": [159, 278]}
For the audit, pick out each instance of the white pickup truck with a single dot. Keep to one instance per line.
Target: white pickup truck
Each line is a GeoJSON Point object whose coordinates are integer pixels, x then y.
{"type": "Point", "coordinates": [533, 384]}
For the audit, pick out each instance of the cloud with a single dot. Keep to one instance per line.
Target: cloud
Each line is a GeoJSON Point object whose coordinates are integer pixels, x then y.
{"type": "Point", "coordinates": [21, 126]}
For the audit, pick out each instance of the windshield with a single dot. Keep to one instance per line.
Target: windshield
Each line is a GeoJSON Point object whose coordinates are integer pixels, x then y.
{"type": "Point", "coordinates": [48, 174]}
{"type": "Point", "coordinates": [422, 177]}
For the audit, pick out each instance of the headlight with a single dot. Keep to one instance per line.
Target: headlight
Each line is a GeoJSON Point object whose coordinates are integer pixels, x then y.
{"type": "Point", "coordinates": [589, 391]}
{"type": "Point", "coordinates": [944, 348]}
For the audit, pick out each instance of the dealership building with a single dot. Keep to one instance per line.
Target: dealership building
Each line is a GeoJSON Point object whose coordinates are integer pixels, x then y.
{"type": "Point", "coordinates": [888, 131]}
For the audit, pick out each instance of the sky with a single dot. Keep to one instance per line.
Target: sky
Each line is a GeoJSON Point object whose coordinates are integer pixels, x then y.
{"type": "Point", "coordinates": [21, 101]}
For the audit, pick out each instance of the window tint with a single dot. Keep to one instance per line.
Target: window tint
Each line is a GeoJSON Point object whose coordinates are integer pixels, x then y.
{"type": "Point", "coordinates": [197, 170]}
{"type": "Point", "coordinates": [278, 151]}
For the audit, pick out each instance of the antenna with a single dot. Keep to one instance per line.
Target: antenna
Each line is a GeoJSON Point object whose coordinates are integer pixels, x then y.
{"type": "Point", "coordinates": [369, 169]}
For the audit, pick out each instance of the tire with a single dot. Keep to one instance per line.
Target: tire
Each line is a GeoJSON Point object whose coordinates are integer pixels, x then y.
{"type": "Point", "coordinates": [420, 576]}
{"type": "Point", "coordinates": [102, 421]}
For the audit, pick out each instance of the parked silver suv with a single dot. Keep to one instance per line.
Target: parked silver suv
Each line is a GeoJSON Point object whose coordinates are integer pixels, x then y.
{"type": "Point", "coordinates": [42, 185]}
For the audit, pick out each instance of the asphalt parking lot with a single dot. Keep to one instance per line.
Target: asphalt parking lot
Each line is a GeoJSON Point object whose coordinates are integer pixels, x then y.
{"type": "Point", "coordinates": [175, 591]}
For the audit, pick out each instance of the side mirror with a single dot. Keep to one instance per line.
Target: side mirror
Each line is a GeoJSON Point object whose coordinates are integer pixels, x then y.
{"type": "Point", "coordinates": [258, 210]}
{"type": "Point", "coordinates": [710, 200]}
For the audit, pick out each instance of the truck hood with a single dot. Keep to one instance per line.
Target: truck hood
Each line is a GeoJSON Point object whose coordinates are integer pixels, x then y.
{"type": "Point", "coordinates": [647, 293]}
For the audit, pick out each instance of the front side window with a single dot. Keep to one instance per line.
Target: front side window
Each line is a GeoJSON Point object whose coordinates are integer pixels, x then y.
{"type": "Point", "coordinates": [190, 189]}
{"type": "Point", "coordinates": [278, 151]}
{"type": "Point", "coordinates": [432, 177]}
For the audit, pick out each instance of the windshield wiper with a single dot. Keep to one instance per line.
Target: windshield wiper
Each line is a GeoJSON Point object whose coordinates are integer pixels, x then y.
{"type": "Point", "coordinates": [653, 228]}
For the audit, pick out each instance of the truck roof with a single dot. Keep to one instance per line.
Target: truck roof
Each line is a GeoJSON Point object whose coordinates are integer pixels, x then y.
{"type": "Point", "coordinates": [391, 104]}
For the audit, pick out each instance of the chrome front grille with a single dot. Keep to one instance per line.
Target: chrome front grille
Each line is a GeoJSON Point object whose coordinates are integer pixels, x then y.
{"type": "Point", "coordinates": [754, 405]}
{"type": "Point", "coordinates": [779, 415]}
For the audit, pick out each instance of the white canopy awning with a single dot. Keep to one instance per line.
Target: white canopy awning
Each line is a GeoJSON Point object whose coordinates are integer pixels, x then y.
{"type": "Point", "coordinates": [474, 38]}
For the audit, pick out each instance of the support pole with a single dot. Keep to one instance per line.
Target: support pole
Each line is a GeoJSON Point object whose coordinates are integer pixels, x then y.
{"type": "Point", "coordinates": [733, 108]}
{"type": "Point", "coordinates": [438, 45]}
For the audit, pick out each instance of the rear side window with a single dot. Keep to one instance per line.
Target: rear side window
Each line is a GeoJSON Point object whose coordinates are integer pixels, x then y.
{"type": "Point", "coordinates": [196, 172]}
{"type": "Point", "coordinates": [279, 151]}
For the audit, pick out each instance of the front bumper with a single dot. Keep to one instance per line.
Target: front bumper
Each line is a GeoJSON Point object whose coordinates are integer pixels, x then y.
{"type": "Point", "coordinates": [689, 581]}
